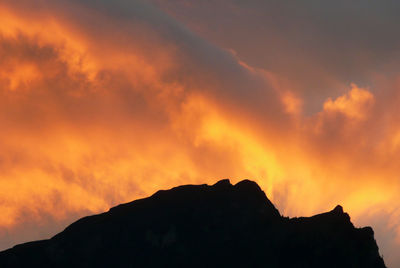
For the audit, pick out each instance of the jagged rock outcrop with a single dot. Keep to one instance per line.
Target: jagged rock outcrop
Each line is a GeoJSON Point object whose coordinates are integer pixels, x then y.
{"type": "Point", "coordinates": [222, 225]}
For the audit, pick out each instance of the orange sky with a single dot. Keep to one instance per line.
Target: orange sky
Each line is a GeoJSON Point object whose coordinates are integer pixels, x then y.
{"type": "Point", "coordinates": [108, 102]}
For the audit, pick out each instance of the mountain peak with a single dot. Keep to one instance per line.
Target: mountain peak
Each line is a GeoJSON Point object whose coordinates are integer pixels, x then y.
{"type": "Point", "coordinates": [338, 209]}
{"type": "Point", "coordinates": [223, 183]}
{"type": "Point", "coordinates": [248, 185]}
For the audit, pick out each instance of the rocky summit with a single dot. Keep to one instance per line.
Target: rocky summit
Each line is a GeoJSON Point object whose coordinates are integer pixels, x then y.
{"type": "Point", "coordinates": [222, 225]}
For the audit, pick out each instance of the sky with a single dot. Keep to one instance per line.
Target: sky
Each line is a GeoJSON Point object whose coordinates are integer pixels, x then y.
{"type": "Point", "coordinates": [103, 102]}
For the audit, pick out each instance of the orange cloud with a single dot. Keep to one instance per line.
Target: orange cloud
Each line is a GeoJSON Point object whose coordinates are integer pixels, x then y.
{"type": "Point", "coordinates": [355, 104]}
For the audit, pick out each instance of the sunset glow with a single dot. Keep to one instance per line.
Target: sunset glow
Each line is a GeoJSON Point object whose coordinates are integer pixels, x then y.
{"type": "Point", "coordinates": [100, 106]}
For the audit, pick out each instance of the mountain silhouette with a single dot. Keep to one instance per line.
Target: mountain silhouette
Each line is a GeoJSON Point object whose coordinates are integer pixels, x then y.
{"type": "Point", "coordinates": [222, 225]}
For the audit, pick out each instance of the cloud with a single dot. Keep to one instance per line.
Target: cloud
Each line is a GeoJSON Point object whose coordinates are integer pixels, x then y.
{"type": "Point", "coordinates": [319, 47]}
{"type": "Point", "coordinates": [354, 104]}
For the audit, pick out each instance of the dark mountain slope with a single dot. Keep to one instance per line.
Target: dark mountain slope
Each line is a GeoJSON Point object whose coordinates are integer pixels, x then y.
{"type": "Point", "coordinates": [222, 225]}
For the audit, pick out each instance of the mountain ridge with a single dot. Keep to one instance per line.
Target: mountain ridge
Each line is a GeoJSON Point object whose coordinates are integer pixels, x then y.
{"type": "Point", "coordinates": [203, 225]}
